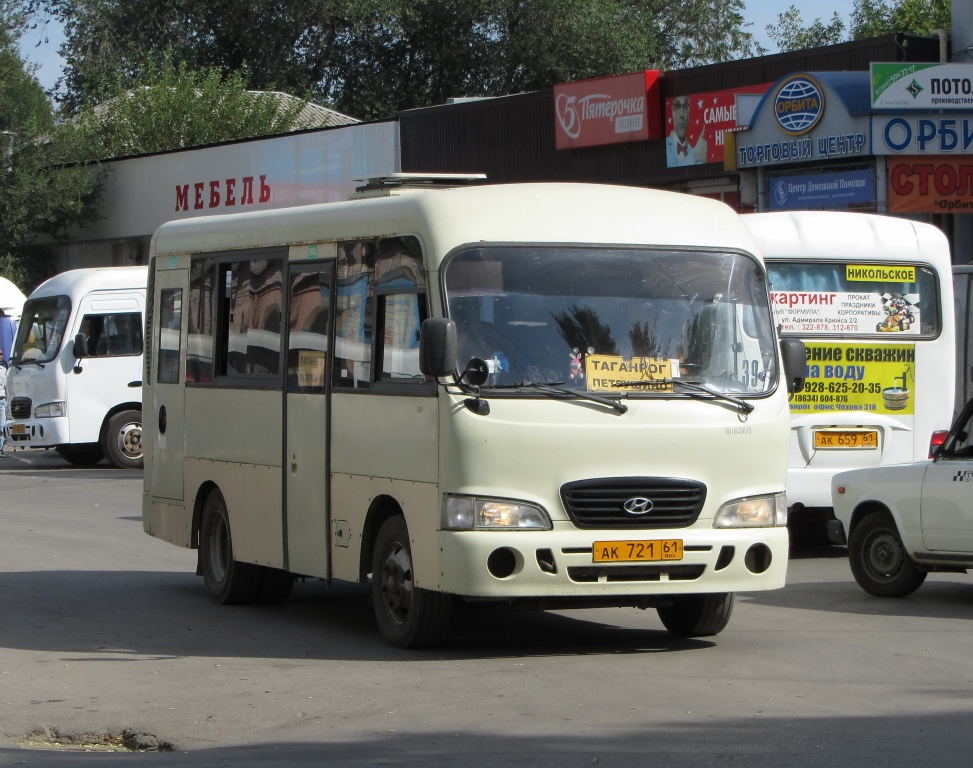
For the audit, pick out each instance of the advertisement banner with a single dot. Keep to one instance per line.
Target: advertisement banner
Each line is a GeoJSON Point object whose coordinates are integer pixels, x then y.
{"type": "Point", "coordinates": [823, 190]}
{"type": "Point", "coordinates": [608, 110]}
{"type": "Point", "coordinates": [926, 135]}
{"type": "Point", "coordinates": [858, 377]}
{"type": "Point", "coordinates": [862, 313]}
{"type": "Point", "coordinates": [930, 184]}
{"type": "Point", "coordinates": [696, 125]}
{"type": "Point", "coordinates": [922, 86]}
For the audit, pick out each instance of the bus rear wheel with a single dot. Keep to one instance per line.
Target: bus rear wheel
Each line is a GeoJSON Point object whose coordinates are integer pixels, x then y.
{"type": "Point", "coordinates": [123, 440]}
{"type": "Point", "coordinates": [697, 615]}
{"type": "Point", "coordinates": [228, 581]}
{"type": "Point", "coordinates": [407, 616]}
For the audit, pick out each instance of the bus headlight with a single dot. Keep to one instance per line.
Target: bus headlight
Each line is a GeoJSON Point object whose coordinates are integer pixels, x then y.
{"type": "Point", "coordinates": [465, 513]}
{"type": "Point", "coordinates": [49, 410]}
{"type": "Point", "coordinates": [756, 512]}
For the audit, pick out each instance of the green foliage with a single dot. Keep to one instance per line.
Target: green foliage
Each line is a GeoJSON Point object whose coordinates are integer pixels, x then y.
{"type": "Point", "coordinates": [38, 194]}
{"type": "Point", "coordinates": [175, 108]}
{"type": "Point", "coordinates": [372, 58]}
{"type": "Point", "coordinates": [790, 34]}
{"type": "Point", "coordinates": [869, 18]}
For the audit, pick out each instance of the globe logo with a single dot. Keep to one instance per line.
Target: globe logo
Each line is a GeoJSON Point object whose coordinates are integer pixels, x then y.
{"type": "Point", "coordinates": [799, 105]}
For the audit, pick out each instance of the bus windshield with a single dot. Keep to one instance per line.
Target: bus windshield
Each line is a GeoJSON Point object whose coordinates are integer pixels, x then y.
{"type": "Point", "coordinates": [624, 320]}
{"type": "Point", "coordinates": [42, 327]}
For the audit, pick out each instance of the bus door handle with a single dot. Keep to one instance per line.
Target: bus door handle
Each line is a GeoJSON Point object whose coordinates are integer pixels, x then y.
{"type": "Point", "coordinates": [135, 384]}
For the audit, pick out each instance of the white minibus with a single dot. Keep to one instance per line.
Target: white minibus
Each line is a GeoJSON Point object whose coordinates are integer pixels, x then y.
{"type": "Point", "coordinates": [871, 297]}
{"type": "Point", "coordinates": [540, 395]}
{"type": "Point", "coordinates": [75, 376]}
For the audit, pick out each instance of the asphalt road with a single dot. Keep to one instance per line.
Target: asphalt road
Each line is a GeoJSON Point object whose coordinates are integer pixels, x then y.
{"type": "Point", "coordinates": [104, 629]}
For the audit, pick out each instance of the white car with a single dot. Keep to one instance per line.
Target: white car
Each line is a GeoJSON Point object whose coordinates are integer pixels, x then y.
{"type": "Point", "coordinates": [901, 522]}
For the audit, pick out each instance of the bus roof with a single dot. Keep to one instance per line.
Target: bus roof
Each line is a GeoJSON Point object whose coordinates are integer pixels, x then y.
{"type": "Point", "coordinates": [445, 219]}
{"type": "Point", "coordinates": [847, 235]}
{"type": "Point", "coordinates": [77, 282]}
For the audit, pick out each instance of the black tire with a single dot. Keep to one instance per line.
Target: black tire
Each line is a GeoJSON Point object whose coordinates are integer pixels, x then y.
{"type": "Point", "coordinates": [878, 559]}
{"type": "Point", "coordinates": [76, 456]}
{"type": "Point", "coordinates": [228, 581]}
{"type": "Point", "coordinates": [122, 443]}
{"type": "Point", "coordinates": [407, 616]}
{"type": "Point", "coordinates": [697, 615]}
{"type": "Point", "coordinates": [275, 586]}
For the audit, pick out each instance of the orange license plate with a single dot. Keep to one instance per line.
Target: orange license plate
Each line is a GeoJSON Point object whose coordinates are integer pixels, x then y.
{"type": "Point", "coordinates": [17, 429]}
{"type": "Point", "coordinates": [843, 439]}
{"type": "Point", "coordinates": [636, 550]}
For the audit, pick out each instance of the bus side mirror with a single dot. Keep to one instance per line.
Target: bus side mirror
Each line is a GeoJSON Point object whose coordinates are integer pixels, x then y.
{"type": "Point", "coordinates": [80, 346]}
{"type": "Point", "coordinates": [437, 347]}
{"type": "Point", "coordinates": [794, 355]}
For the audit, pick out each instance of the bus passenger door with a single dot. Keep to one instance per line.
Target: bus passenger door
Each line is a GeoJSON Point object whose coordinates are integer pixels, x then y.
{"type": "Point", "coordinates": [163, 407]}
{"type": "Point", "coordinates": [306, 419]}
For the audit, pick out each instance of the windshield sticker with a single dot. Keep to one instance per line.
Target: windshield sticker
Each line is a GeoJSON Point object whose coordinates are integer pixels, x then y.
{"type": "Point", "coordinates": [840, 312]}
{"type": "Point", "coordinates": [858, 377]}
{"type": "Point", "coordinates": [610, 372]}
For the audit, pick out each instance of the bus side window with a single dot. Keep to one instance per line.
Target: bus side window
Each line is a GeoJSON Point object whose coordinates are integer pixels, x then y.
{"type": "Point", "coordinates": [307, 349]}
{"type": "Point", "coordinates": [113, 335]}
{"type": "Point", "coordinates": [170, 319]}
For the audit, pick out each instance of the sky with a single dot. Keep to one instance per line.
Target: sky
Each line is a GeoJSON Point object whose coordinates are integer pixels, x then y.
{"type": "Point", "coordinates": [40, 47]}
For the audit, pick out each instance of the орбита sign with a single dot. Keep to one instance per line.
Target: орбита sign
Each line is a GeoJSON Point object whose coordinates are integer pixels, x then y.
{"type": "Point", "coordinates": [807, 118]}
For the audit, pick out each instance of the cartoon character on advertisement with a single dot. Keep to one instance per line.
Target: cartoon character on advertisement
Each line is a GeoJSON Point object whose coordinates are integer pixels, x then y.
{"type": "Point", "coordinates": [898, 315]}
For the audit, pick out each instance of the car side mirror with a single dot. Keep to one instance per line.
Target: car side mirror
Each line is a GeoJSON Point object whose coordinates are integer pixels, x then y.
{"type": "Point", "coordinates": [794, 356]}
{"type": "Point", "coordinates": [437, 347]}
{"type": "Point", "coordinates": [80, 346]}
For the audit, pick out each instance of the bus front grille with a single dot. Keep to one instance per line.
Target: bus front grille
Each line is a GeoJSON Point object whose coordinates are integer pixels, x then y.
{"type": "Point", "coordinates": [633, 502]}
{"type": "Point", "coordinates": [20, 408]}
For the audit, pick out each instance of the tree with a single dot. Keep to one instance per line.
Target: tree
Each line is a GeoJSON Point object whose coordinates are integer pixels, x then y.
{"type": "Point", "coordinates": [371, 58]}
{"type": "Point", "coordinates": [176, 108]}
{"type": "Point", "coordinates": [790, 34]}
{"type": "Point", "coordinates": [39, 194]}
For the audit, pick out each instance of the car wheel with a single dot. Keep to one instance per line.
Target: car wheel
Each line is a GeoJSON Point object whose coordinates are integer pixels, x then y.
{"type": "Point", "coordinates": [878, 559]}
{"type": "Point", "coordinates": [697, 615]}
{"type": "Point", "coordinates": [123, 440]}
{"type": "Point", "coordinates": [228, 581]}
{"type": "Point", "coordinates": [407, 616]}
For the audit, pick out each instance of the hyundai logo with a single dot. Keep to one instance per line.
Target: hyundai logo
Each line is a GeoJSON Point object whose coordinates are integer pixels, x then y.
{"type": "Point", "coordinates": [638, 506]}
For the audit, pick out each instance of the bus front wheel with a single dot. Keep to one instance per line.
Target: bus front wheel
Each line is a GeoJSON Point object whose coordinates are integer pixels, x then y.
{"type": "Point", "coordinates": [123, 440]}
{"type": "Point", "coordinates": [407, 616]}
{"type": "Point", "coordinates": [697, 615]}
{"type": "Point", "coordinates": [228, 581]}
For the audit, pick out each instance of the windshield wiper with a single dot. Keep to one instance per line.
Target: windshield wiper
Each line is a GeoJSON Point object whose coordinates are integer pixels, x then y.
{"type": "Point", "coordinates": [554, 388]}
{"type": "Point", "coordinates": [693, 386]}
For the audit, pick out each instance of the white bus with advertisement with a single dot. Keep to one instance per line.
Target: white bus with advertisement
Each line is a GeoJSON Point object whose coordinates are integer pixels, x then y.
{"type": "Point", "coordinates": [871, 297]}
{"type": "Point", "coordinates": [538, 395]}
{"type": "Point", "coordinates": [75, 375]}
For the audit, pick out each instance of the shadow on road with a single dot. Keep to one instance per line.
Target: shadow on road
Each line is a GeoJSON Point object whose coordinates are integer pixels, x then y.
{"type": "Point", "coordinates": [137, 614]}
{"type": "Point", "coordinates": [751, 741]}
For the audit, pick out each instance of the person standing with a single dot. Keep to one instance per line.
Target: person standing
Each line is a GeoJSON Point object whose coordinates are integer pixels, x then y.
{"type": "Point", "coordinates": [3, 406]}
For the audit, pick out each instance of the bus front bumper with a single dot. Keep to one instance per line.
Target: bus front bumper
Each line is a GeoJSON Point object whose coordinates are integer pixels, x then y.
{"type": "Point", "coordinates": [37, 433]}
{"type": "Point", "coordinates": [560, 563]}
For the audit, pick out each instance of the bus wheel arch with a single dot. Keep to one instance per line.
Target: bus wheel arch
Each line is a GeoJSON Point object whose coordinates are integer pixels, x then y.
{"type": "Point", "coordinates": [407, 616]}
{"type": "Point", "coordinates": [228, 581]}
{"type": "Point", "coordinates": [381, 509]}
{"type": "Point", "coordinates": [121, 436]}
